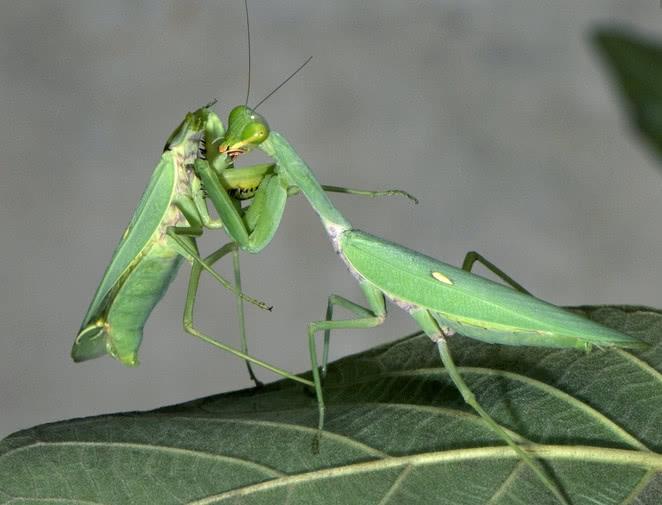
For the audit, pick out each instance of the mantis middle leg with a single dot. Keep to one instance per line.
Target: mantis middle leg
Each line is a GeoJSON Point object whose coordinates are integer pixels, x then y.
{"type": "Point", "coordinates": [368, 318]}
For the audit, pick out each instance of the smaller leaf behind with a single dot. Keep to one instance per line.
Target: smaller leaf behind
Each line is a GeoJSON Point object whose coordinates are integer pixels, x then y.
{"type": "Point", "coordinates": [635, 63]}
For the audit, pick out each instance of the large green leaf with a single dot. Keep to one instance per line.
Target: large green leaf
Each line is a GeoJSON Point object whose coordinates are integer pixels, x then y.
{"type": "Point", "coordinates": [397, 433]}
{"type": "Point", "coordinates": [636, 64]}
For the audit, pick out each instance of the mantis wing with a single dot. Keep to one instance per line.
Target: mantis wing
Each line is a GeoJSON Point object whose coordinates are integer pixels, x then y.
{"type": "Point", "coordinates": [146, 220]}
{"type": "Point", "coordinates": [469, 304]}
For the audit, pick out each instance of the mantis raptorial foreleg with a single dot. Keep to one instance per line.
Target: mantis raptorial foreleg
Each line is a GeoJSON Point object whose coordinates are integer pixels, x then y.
{"type": "Point", "coordinates": [253, 229]}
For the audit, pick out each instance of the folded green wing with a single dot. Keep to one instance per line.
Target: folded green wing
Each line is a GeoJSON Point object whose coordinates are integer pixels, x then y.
{"type": "Point", "coordinates": [469, 304]}
{"type": "Point", "coordinates": [146, 220]}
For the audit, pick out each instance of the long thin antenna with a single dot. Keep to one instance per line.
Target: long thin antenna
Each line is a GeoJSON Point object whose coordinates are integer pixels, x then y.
{"type": "Point", "coordinates": [248, 33]}
{"type": "Point", "coordinates": [283, 83]}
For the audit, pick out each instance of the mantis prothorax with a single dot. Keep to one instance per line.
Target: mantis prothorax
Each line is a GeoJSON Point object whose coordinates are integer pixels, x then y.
{"type": "Point", "coordinates": [442, 299]}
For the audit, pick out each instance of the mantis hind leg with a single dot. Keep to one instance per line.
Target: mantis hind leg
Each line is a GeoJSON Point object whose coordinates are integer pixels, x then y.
{"type": "Point", "coordinates": [473, 257]}
{"type": "Point", "coordinates": [189, 327]}
{"type": "Point", "coordinates": [431, 328]}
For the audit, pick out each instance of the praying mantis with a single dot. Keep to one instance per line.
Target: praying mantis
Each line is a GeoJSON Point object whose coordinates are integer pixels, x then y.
{"type": "Point", "coordinates": [442, 299]}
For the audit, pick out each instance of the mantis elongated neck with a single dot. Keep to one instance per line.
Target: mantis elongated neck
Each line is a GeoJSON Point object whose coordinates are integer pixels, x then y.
{"type": "Point", "coordinates": [298, 173]}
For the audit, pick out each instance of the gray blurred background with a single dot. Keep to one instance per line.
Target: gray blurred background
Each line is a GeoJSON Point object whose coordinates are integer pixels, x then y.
{"type": "Point", "coordinates": [496, 114]}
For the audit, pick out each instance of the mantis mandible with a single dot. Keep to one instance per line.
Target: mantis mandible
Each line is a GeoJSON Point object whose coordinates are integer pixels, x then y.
{"type": "Point", "coordinates": [442, 299]}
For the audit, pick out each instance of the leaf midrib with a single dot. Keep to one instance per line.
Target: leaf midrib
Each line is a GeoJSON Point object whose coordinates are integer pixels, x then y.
{"type": "Point", "coordinates": [645, 460]}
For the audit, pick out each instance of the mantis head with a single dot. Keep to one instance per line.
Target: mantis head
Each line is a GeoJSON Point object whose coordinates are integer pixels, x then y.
{"type": "Point", "coordinates": [246, 130]}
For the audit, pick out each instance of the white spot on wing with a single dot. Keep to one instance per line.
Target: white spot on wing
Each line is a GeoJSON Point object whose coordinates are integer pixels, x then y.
{"type": "Point", "coordinates": [442, 278]}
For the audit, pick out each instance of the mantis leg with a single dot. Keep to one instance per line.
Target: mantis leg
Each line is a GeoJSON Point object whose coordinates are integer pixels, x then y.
{"type": "Point", "coordinates": [190, 252]}
{"type": "Point", "coordinates": [196, 212]}
{"type": "Point", "coordinates": [200, 207]}
{"type": "Point", "coordinates": [240, 313]}
{"type": "Point", "coordinates": [293, 190]}
{"type": "Point", "coordinates": [264, 214]}
{"type": "Point", "coordinates": [267, 208]}
{"type": "Point", "coordinates": [349, 305]}
{"type": "Point", "coordinates": [369, 318]}
{"type": "Point", "coordinates": [255, 229]}
{"type": "Point", "coordinates": [473, 257]}
{"type": "Point", "coordinates": [189, 307]}
{"type": "Point", "coordinates": [431, 328]}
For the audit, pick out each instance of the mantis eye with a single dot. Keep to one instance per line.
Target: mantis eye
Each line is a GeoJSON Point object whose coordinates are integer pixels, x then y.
{"type": "Point", "coordinates": [256, 131]}
{"type": "Point", "coordinates": [246, 130]}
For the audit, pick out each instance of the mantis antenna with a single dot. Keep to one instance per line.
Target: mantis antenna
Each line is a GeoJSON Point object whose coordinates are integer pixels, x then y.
{"type": "Point", "coordinates": [248, 86]}
{"type": "Point", "coordinates": [248, 34]}
{"type": "Point", "coordinates": [283, 83]}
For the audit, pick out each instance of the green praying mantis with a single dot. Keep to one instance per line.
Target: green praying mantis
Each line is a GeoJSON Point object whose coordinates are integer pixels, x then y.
{"type": "Point", "coordinates": [197, 167]}
{"type": "Point", "coordinates": [442, 299]}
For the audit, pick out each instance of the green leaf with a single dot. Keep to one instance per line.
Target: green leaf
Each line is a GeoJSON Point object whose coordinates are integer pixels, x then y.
{"type": "Point", "coordinates": [397, 433]}
{"type": "Point", "coordinates": [636, 65]}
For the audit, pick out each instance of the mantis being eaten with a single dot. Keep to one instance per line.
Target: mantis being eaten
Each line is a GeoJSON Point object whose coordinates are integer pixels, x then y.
{"type": "Point", "coordinates": [162, 231]}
